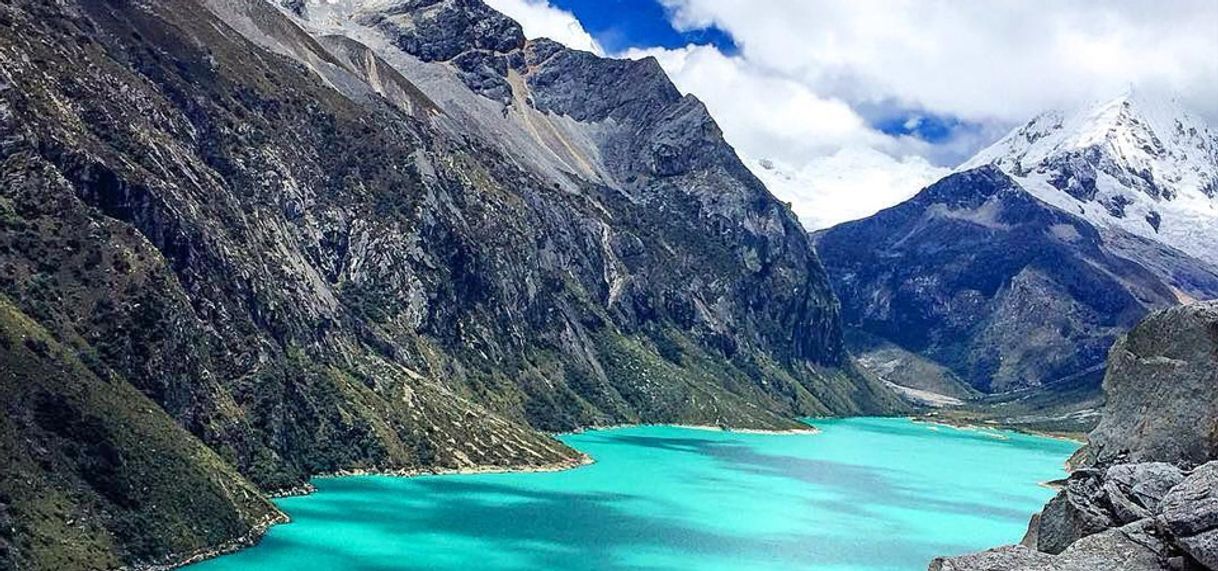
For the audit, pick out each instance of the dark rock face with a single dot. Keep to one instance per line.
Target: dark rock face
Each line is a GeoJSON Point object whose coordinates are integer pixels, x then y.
{"type": "Point", "coordinates": [1158, 508]}
{"type": "Point", "coordinates": [978, 275]}
{"type": "Point", "coordinates": [1076, 512]}
{"type": "Point", "coordinates": [1162, 404]}
{"type": "Point", "coordinates": [297, 7]}
{"type": "Point", "coordinates": [1135, 491]}
{"type": "Point", "coordinates": [310, 265]}
{"type": "Point", "coordinates": [1115, 549]}
{"type": "Point", "coordinates": [440, 30]}
{"type": "Point", "coordinates": [1190, 514]}
{"type": "Point", "coordinates": [479, 41]}
{"type": "Point", "coordinates": [1093, 501]}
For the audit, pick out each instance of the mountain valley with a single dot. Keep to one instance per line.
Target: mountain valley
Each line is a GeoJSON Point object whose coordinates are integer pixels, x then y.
{"type": "Point", "coordinates": [247, 243]}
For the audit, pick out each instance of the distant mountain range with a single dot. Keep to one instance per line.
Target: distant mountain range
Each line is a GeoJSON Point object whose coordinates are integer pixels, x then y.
{"type": "Point", "coordinates": [1021, 268]}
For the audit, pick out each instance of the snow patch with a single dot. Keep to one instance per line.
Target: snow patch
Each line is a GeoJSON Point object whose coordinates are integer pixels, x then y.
{"type": "Point", "coordinates": [1137, 164]}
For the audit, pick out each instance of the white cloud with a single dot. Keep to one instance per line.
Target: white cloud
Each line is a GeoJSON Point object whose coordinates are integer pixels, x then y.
{"type": "Point", "coordinates": [541, 20]}
{"type": "Point", "coordinates": [808, 71]}
{"type": "Point", "coordinates": [805, 69]}
{"type": "Point", "coordinates": [1001, 60]}
{"type": "Point", "coordinates": [764, 114]}
{"type": "Point", "coordinates": [852, 183]}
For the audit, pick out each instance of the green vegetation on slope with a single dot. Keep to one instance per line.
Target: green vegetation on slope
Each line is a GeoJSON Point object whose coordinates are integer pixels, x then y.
{"type": "Point", "coordinates": [96, 475]}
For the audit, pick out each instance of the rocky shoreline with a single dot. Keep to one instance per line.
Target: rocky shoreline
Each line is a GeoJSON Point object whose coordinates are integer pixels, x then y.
{"type": "Point", "coordinates": [249, 539]}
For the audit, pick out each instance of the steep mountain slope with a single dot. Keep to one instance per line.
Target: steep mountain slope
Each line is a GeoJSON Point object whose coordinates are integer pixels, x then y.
{"type": "Point", "coordinates": [992, 274]}
{"type": "Point", "coordinates": [406, 246]}
{"type": "Point", "coordinates": [977, 274]}
{"type": "Point", "coordinates": [1136, 163]}
{"type": "Point", "coordinates": [97, 474]}
{"type": "Point", "coordinates": [1145, 494]}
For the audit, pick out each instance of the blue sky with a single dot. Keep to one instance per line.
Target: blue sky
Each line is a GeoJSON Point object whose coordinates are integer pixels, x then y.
{"type": "Point", "coordinates": [844, 107]}
{"type": "Point", "coordinates": [619, 25]}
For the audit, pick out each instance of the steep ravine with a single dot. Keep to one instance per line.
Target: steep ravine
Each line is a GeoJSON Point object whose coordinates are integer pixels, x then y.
{"type": "Point", "coordinates": [1144, 494]}
{"type": "Point", "coordinates": [264, 251]}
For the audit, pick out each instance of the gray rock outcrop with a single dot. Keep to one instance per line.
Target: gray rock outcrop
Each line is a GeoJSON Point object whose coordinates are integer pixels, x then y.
{"type": "Point", "coordinates": [1146, 498]}
{"type": "Point", "coordinates": [1190, 514]}
{"type": "Point", "coordinates": [1119, 549]}
{"type": "Point", "coordinates": [1162, 391]}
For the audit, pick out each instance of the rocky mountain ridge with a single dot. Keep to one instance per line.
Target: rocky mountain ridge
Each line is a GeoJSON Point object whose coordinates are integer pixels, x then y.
{"type": "Point", "coordinates": [978, 275]}
{"type": "Point", "coordinates": [376, 246]}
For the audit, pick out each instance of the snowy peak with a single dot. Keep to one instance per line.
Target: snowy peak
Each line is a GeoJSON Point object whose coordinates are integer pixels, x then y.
{"type": "Point", "coordinates": [1153, 146]}
{"type": "Point", "coordinates": [1137, 163]}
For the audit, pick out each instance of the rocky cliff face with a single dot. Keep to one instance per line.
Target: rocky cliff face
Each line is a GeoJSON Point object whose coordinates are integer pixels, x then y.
{"type": "Point", "coordinates": [1161, 399]}
{"type": "Point", "coordinates": [320, 238]}
{"type": "Point", "coordinates": [1146, 496]}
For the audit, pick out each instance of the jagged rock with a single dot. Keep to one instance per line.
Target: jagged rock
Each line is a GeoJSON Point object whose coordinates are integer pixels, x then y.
{"type": "Point", "coordinates": [443, 29]}
{"type": "Point", "coordinates": [480, 42]}
{"type": "Point", "coordinates": [1133, 491]}
{"type": "Point", "coordinates": [1009, 558]}
{"type": "Point", "coordinates": [1077, 511]}
{"type": "Point", "coordinates": [297, 7]}
{"type": "Point", "coordinates": [1190, 514]}
{"type": "Point", "coordinates": [1120, 549]}
{"type": "Point", "coordinates": [1202, 548]}
{"type": "Point", "coordinates": [1031, 537]}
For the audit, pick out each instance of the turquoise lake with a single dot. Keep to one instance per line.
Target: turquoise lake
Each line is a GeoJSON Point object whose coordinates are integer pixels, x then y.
{"type": "Point", "coordinates": [864, 494]}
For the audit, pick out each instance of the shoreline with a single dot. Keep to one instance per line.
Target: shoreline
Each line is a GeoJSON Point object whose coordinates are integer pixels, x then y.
{"type": "Point", "coordinates": [981, 425]}
{"type": "Point", "coordinates": [767, 431]}
{"type": "Point", "coordinates": [560, 466]}
{"type": "Point", "coordinates": [248, 539]}
{"type": "Point", "coordinates": [808, 429]}
{"type": "Point", "coordinates": [259, 530]}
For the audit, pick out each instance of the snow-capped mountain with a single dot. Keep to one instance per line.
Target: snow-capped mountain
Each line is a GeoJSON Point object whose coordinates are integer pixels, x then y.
{"type": "Point", "coordinates": [1134, 163]}
{"type": "Point", "coordinates": [1020, 269]}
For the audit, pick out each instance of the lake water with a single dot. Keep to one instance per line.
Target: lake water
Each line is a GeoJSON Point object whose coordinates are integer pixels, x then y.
{"type": "Point", "coordinates": [864, 494]}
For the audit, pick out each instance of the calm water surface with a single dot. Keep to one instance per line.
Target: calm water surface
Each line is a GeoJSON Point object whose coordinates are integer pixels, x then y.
{"type": "Point", "coordinates": [865, 494]}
